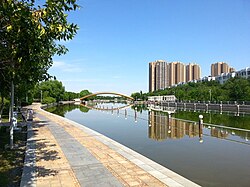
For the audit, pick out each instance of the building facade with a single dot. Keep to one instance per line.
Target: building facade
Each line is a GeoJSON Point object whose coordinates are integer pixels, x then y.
{"type": "Point", "coordinates": [164, 75]}
{"type": "Point", "coordinates": [193, 72]}
{"type": "Point", "coordinates": [219, 68]}
{"type": "Point", "coordinates": [245, 73]}
{"type": "Point", "coordinates": [157, 75]}
{"type": "Point", "coordinates": [152, 76]}
{"type": "Point", "coordinates": [179, 73]}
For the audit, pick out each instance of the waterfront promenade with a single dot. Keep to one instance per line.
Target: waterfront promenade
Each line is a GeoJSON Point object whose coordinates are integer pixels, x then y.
{"type": "Point", "coordinates": [61, 152]}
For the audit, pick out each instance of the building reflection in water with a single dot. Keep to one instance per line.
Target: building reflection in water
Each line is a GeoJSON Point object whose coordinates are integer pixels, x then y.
{"type": "Point", "coordinates": [219, 133]}
{"type": "Point", "coordinates": [162, 127]}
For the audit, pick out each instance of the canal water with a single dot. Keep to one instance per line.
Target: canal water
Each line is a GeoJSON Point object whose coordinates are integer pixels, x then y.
{"type": "Point", "coordinates": [210, 155]}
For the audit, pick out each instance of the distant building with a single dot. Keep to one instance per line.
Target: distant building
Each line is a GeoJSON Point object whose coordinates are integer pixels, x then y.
{"type": "Point", "coordinates": [152, 76]}
{"type": "Point", "coordinates": [219, 68]}
{"type": "Point", "coordinates": [222, 78]}
{"type": "Point", "coordinates": [164, 75]}
{"type": "Point", "coordinates": [193, 72]}
{"type": "Point", "coordinates": [157, 75]}
{"type": "Point", "coordinates": [209, 78]}
{"type": "Point", "coordinates": [245, 73]}
{"type": "Point", "coordinates": [177, 73]}
{"type": "Point", "coordinates": [163, 98]}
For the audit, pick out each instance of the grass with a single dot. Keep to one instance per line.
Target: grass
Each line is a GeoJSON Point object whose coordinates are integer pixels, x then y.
{"type": "Point", "coordinates": [11, 161]}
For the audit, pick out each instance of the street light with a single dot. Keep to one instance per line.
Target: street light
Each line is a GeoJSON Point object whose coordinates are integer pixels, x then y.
{"type": "Point", "coordinates": [41, 96]}
{"type": "Point", "coordinates": [210, 94]}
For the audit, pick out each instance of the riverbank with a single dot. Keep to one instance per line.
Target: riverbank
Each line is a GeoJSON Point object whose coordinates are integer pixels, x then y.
{"type": "Point", "coordinates": [90, 157]}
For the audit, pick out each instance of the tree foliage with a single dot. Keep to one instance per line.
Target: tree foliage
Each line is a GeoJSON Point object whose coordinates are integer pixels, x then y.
{"type": "Point", "coordinates": [29, 35]}
{"type": "Point", "coordinates": [84, 93]}
{"type": "Point", "coordinates": [50, 88]}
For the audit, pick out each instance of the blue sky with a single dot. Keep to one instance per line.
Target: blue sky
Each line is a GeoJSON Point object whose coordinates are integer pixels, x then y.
{"type": "Point", "coordinates": [118, 38]}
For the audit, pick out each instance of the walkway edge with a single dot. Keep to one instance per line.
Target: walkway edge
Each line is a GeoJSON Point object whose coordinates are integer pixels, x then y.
{"type": "Point", "coordinates": [29, 168]}
{"type": "Point", "coordinates": [160, 172]}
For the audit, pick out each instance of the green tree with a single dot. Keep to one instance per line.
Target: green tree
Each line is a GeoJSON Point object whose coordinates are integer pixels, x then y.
{"type": "Point", "coordinates": [28, 35]}
{"type": "Point", "coordinates": [136, 95]}
{"type": "Point", "coordinates": [84, 93]}
{"type": "Point", "coordinates": [69, 96]}
{"type": "Point", "coordinates": [238, 89]}
{"type": "Point", "coordinates": [50, 88]}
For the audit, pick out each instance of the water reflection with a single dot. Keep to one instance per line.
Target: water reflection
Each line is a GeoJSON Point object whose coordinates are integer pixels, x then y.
{"type": "Point", "coordinates": [106, 107]}
{"type": "Point", "coordinates": [162, 127]}
{"type": "Point", "coordinates": [168, 123]}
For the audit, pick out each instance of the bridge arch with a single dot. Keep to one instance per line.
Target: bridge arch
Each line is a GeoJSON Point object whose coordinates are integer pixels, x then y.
{"type": "Point", "coordinates": [107, 93]}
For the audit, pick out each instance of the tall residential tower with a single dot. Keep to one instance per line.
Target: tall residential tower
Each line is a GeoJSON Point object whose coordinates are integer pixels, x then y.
{"type": "Point", "coordinates": [157, 75]}
{"type": "Point", "coordinates": [163, 75]}
{"type": "Point", "coordinates": [219, 68]}
{"type": "Point", "coordinates": [193, 72]}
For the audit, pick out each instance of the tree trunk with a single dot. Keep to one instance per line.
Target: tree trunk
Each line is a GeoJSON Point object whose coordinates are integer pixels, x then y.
{"type": "Point", "coordinates": [1, 107]}
{"type": "Point", "coordinates": [11, 114]}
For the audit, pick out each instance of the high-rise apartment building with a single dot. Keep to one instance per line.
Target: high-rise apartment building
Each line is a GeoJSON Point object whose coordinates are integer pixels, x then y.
{"type": "Point", "coordinates": [157, 75]}
{"type": "Point", "coordinates": [193, 72]}
{"type": "Point", "coordinates": [219, 68]}
{"type": "Point", "coordinates": [163, 75]}
{"type": "Point", "coordinates": [176, 73]}
{"type": "Point", "coordinates": [180, 73]}
{"type": "Point", "coordinates": [152, 80]}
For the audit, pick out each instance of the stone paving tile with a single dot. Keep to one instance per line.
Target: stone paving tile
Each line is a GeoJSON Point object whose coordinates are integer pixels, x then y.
{"type": "Point", "coordinates": [87, 169]}
{"type": "Point", "coordinates": [131, 168]}
{"type": "Point", "coordinates": [52, 168]}
{"type": "Point", "coordinates": [127, 172]}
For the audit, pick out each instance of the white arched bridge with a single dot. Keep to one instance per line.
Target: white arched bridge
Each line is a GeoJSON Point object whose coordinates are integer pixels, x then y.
{"type": "Point", "coordinates": [106, 93]}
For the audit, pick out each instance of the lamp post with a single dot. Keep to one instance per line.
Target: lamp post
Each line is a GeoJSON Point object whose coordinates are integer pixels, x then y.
{"type": "Point", "coordinates": [41, 96]}
{"type": "Point", "coordinates": [210, 93]}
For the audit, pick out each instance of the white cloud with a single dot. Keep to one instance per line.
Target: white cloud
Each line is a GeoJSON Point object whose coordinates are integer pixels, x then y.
{"type": "Point", "coordinates": [66, 67]}
{"type": "Point", "coordinates": [80, 80]}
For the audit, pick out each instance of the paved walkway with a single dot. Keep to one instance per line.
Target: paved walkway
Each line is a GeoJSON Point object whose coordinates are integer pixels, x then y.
{"type": "Point", "coordinates": [61, 152]}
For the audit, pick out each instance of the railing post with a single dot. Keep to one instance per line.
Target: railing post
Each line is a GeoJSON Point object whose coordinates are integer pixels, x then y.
{"type": "Point", "coordinates": [135, 117]}
{"type": "Point", "coordinates": [200, 128]}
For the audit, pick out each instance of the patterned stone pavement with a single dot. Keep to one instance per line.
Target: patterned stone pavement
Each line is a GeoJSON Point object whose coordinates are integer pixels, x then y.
{"type": "Point", "coordinates": [69, 154]}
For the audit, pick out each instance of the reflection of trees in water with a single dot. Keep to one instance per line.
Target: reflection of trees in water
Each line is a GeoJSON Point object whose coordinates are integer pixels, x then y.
{"type": "Point", "coordinates": [139, 108]}
{"type": "Point", "coordinates": [63, 109]}
{"type": "Point", "coordinates": [84, 109]}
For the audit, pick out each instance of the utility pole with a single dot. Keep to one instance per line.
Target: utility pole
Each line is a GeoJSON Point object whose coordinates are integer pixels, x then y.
{"type": "Point", "coordinates": [41, 96]}
{"type": "Point", "coordinates": [11, 114]}
{"type": "Point", "coordinates": [210, 94]}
